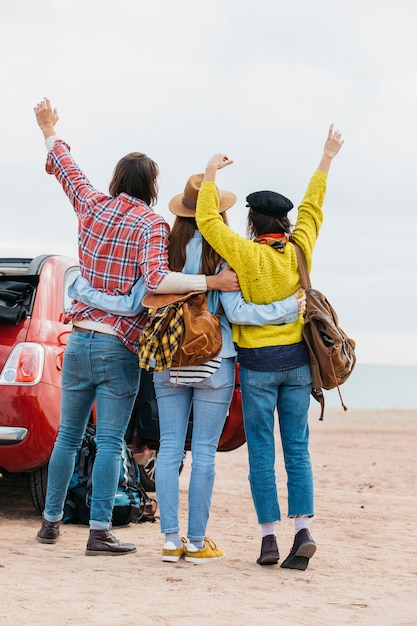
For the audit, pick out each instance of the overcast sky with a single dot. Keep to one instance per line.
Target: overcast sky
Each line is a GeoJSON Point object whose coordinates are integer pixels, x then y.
{"type": "Point", "coordinates": [260, 80]}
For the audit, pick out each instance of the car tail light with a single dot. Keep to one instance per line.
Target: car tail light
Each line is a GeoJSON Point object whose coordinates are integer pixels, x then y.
{"type": "Point", "coordinates": [24, 365]}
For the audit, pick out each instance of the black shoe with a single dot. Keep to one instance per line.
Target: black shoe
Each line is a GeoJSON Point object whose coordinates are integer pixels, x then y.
{"type": "Point", "coordinates": [269, 551]}
{"type": "Point", "coordinates": [103, 542]}
{"type": "Point", "coordinates": [49, 532]}
{"type": "Point", "coordinates": [301, 552]}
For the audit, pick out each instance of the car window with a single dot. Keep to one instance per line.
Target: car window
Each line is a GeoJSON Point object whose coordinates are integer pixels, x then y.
{"type": "Point", "coordinates": [69, 278]}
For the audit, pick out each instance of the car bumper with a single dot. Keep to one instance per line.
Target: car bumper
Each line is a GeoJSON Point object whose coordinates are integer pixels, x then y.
{"type": "Point", "coordinates": [29, 418]}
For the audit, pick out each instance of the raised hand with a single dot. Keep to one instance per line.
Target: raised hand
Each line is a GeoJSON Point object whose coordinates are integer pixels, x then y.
{"type": "Point", "coordinates": [333, 143]}
{"type": "Point", "coordinates": [217, 162]}
{"type": "Point", "coordinates": [332, 146]}
{"type": "Point", "coordinates": [46, 117]}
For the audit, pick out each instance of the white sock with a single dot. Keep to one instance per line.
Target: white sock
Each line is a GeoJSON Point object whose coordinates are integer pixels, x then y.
{"type": "Point", "coordinates": [268, 529]}
{"type": "Point", "coordinates": [174, 538]}
{"type": "Point", "coordinates": [300, 522]}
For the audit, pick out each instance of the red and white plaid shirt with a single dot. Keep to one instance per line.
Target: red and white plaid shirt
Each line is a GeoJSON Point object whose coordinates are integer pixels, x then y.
{"type": "Point", "coordinates": [119, 240]}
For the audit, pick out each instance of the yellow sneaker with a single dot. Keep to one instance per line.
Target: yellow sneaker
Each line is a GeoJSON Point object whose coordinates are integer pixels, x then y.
{"type": "Point", "coordinates": [210, 552]}
{"type": "Point", "coordinates": [171, 553]}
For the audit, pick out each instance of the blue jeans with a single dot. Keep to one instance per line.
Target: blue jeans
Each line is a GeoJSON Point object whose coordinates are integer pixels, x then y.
{"type": "Point", "coordinates": [289, 393]}
{"type": "Point", "coordinates": [210, 401]}
{"type": "Point", "coordinates": [97, 367]}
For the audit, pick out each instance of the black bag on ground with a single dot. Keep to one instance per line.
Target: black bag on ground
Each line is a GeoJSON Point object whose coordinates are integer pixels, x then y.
{"type": "Point", "coordinates": [131, 504]}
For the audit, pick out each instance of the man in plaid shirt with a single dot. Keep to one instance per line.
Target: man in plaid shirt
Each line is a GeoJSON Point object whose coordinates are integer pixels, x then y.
{"type": "Point", "coordinates": [120, 239]}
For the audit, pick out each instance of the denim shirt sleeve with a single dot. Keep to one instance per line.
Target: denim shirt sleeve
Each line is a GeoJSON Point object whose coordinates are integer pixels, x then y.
{"type": "Point", "coordinates": [240, 312]}
{"type": "Point", "coordinates": [236, 309]}
{"type": "Point", "coordinates": [128, 305]}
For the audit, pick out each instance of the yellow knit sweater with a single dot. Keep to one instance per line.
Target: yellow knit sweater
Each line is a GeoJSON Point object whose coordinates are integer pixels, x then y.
{"type": "Point", "coordinates": [264, 274]}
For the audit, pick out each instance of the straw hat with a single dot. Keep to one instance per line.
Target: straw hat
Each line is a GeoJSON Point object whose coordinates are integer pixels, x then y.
{"type": "Point", "coordinates": [184, 204]}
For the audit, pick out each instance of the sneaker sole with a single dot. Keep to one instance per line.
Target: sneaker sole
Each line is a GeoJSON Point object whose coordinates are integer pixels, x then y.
{"type": "Point", "coordinates": [171, 559]}
{"type": "Point", "coordinates": [44, 540]}
{"type": "Point", "coordinates": [107, 553]}
{"type": "Point", "coordinates": [301, 558]}
{"type": "Point", "coordinates": [270, 558]}
{"type": "Point", "coordinates": [191, 559]}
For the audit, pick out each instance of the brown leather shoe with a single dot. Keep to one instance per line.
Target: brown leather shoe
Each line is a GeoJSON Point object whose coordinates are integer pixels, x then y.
{"type": "Point", "coordinates": [301, 552]}
{"type": "Point", "coordinates": [269, 551]}
{"type": "Point", "coordinates": [103, 542]}
{"type": "Point", "coordinates": [49, 532]}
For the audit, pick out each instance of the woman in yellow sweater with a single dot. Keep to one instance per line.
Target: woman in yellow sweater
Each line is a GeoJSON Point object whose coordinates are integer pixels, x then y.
{"type": "Point", "coordinates": [274, 364]}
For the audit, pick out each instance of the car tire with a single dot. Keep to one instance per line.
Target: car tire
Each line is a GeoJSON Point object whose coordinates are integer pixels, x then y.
{"type": "Point", "coordinates": [147, 472]}
{"type": "Point", "coordinates": [38, 480]}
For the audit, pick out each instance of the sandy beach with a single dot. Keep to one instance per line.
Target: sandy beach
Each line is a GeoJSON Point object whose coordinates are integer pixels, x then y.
{"type": "Point", "coordinates": [364, 571]}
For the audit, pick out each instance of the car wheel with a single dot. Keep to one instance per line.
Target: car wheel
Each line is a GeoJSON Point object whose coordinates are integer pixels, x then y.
{"type": "Point", "coordinates": [147, 472]}
{"type": "Point", "coordinates": [38, 480]}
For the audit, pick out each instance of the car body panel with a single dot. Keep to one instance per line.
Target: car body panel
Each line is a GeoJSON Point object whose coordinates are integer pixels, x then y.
{"type": "Point", "coordinates": [35, 407]}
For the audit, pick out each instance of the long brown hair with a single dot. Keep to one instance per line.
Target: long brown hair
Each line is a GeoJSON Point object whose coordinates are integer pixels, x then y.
{"type": "Point", "coordinates": [259, 224]}
{"type": "Point", "coordinates": [181, 233]}
{"type": "Point", "coordinates": [136, 174]}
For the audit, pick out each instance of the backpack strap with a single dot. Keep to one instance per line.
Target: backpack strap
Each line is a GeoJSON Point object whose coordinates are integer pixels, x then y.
{"type": "Point", "coordinates": [156, 300]}
{"type": "Point", "coordinates": [305, 281]}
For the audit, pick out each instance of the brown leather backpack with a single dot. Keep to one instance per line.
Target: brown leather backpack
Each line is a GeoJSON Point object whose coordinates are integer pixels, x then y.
{"type": "Point", "coordinates": [201, 337]}
{"type": "Point", "coordinates": [331, 351]}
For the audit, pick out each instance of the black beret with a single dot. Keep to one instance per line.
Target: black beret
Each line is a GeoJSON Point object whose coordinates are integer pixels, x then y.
{"type": "Point", "coordinates": [269, 203]}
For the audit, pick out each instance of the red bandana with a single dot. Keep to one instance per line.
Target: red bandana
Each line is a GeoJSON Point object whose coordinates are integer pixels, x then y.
{"type": "Point", "coordinates": [278, 241]}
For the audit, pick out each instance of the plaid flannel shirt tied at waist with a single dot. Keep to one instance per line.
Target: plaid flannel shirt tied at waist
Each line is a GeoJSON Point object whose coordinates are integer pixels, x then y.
{"type": "Point", "coordinates": [161, 337]}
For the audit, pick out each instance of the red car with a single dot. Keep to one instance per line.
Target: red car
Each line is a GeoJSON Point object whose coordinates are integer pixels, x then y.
{"type": "Point", "coordinates": [33, 296]}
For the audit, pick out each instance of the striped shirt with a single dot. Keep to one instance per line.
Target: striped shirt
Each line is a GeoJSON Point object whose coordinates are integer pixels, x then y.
{"type": "Point", "coordinates": [119, 240]}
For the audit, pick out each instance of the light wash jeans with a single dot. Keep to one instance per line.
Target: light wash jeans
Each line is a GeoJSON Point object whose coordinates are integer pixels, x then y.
{"type": "Point", "coordinates": [289, 393]}
{"type": "Point", "coordinates": [97, 367]}
{"type": "Point", "coordinates": [210, 400]}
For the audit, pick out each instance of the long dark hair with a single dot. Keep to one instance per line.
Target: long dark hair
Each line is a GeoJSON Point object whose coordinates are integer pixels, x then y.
{"type": "Point", "coordinates": [182, 231]}
{"type": "Point", "coordinates": [136, 174]}
{"type": "Point", "coordinates": [259, 224]}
